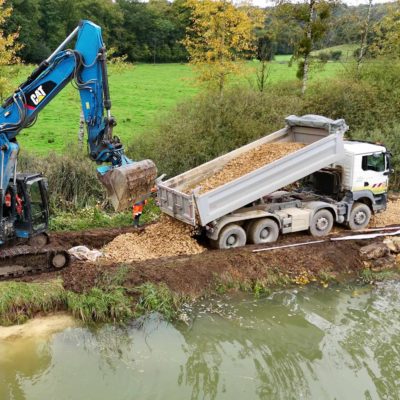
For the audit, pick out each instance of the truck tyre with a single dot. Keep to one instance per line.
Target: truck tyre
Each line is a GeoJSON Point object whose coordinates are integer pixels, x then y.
{"type": "Point", "coordinates": [359, 216]}
{"type": "Point", "coordinates": [231, 236]}
{"type": "Point", "coordinates": [321, 223]}
{"type": "Point", "coordinates": [264, 230]}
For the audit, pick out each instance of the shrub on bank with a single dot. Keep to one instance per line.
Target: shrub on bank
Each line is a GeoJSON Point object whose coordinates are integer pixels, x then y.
{"type": "Point", "coordinates": [209, 125]}
{"type": "Point", "coordinates": [390, 137]}
{"type": "Point", "coordinates": [371, 102]}
{"type": "Point", "coordinates": [72, 178]}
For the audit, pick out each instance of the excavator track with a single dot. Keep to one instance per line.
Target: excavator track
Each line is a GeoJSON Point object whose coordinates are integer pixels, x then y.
{"type": "Point", "coordinates": [21, 260]}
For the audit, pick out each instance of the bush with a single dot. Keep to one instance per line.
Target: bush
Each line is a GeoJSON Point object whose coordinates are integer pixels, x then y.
{"type": "Point", "coordinates": [354, 101]}
{"type": "Point", "coordinates": [390, 138]}
{"type": "Point", "coordinates": [324, 57]}
{"type": "Point", "coordinates": [369, 103]}
{"type": "Point", "coordinates": [210, 125]}
{"type": "Point", "coordinates": [72, 178]}
{"type": "Point", "coordinates": [335, 55]}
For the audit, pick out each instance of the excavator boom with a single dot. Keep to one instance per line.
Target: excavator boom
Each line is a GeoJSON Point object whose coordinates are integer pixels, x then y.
{"type": "Point", "coordinates": [126, 181]}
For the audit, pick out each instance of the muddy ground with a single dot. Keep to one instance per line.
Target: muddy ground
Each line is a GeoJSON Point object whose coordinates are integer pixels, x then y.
{"type": "Point", "coordinates": [194, 275]}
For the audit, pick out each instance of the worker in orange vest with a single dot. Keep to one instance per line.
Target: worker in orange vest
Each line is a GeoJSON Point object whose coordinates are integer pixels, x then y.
{"type": "Point", "coordinates": [137, 211]}
{"type": "Point", "coordinates": [7, 199]}
{"type": "Point", "coordinates": [18, 204]}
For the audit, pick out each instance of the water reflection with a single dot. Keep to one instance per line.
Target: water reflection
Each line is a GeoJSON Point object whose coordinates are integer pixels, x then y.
{"type": "Point", "coordinates": [341, 343]}
{"type": "Point", "coordinates": [269, 349]}
{"type": "Point", "coordinates": [28, 360]}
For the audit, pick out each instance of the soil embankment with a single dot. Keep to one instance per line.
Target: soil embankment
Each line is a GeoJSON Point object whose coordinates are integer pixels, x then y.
{"type": "Point", "coordinates": [198, 271]}
{"type": "Point", "coordinates": [195, 274]}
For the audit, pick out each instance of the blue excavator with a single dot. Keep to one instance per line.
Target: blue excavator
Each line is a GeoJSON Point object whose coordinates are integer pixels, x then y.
{"type": "Point", "coordinates": [25, 246]}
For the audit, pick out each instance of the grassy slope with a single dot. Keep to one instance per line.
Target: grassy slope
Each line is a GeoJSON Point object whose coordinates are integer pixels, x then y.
{"type": "Point", "coordinates": [140, 94]}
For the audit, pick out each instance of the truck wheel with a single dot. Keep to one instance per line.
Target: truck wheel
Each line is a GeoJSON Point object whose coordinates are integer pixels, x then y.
{"type": "Point", "coordinates": [231, 236]}
{"type": "Point", "coordinates": [321, 223]}
{"type": "Point", "coordinates": [359, 216]}
{"type": "Point", "coordinates": [264, 230]}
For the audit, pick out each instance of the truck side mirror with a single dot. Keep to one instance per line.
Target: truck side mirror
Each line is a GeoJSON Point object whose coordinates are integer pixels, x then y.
{"type": "Point", "coordinates": [390, 172]}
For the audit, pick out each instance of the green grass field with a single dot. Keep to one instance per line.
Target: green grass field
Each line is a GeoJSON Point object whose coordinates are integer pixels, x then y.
{"type": "Point", "coordinates": [141, 95]}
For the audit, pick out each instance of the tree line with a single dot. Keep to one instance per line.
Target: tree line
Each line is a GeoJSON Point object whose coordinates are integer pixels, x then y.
{"type": "Point", "coordinates": [154, 31]}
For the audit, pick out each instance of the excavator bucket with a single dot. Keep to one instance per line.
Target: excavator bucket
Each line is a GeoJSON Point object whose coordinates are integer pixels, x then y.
{"type": "Point", "coordinates": [128, 183]}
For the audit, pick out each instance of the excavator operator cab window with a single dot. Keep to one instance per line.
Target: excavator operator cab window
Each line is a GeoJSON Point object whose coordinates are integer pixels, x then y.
{"type": "Point", "coordinates": [37, 204]}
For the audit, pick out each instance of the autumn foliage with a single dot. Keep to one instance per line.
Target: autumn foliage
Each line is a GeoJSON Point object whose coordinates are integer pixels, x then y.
{"type": "Point", "coordinates": [220, 34]}
{"type": "Point", "coordinates": [8, 48]}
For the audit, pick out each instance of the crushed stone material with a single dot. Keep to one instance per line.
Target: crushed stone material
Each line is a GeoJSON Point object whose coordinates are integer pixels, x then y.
{"type": "Point", "coordinates": [166, 238]}
{"type": "Point", "coordinates": [391, 216]}
{"type": "Point", "coordinates": [246, 163]}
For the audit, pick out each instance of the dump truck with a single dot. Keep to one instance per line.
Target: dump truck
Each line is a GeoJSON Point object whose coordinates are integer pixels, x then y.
{"type": "Point", "coordinates": [327, 180]}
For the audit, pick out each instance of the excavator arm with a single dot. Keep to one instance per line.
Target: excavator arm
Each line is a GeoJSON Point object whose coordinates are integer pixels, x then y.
{"type": "Point", "coordinates": [85, 66]}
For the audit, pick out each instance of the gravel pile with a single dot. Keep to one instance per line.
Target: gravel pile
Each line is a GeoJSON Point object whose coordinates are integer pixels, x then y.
{"type": "Point", "coordinates": [245, 163]}
{"type": "Point", "coordinates": [166, 238]}
{"type": "Point", "coordinates": [389, 217]}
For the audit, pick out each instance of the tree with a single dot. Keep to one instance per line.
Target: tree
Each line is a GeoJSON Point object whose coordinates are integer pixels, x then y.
{"type": "Point", "coordinates": [387, 41]}
{"type": "Point", "coordinates": [219, 35]}
{"type": "Point", "coordinates": [266, 49]}
{"type": "Point", "coordinates": [34, 49]}
{"type": "Point", "coordinates": [8, 49]}
{"type": "Point", "coordinates": [311, 18]}
{"type": "Point", "coordinates": [364, 37]}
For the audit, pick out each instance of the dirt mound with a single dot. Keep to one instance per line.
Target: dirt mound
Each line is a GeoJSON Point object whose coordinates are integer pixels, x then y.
{"type": "Point", "coordinates": [166, 238]}
{"type": "Point", "coordinates": [246, 163]}
{"type": "Point", "coordinates": [389, 217]}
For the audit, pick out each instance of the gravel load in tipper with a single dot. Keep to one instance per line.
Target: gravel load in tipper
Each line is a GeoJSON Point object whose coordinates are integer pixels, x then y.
{"type": "Point", "coordinates": [245, 163]}
{"type": "Point", "coordinates": [166, 238]}
{"type": "Point", "coordinates": [389, 217]}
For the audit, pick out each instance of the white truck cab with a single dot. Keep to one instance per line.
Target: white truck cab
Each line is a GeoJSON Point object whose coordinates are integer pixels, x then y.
{"type": "Point", "coordinates": [366, 166]}
{"type": "Point", "coordinates": [365, 173]}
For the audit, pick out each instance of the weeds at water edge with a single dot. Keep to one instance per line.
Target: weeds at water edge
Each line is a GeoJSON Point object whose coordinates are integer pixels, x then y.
{"type": "Point", "coordinates": [158, 298]}
{"type": "Point", "coordinates": [20, 301]}
{"type": "Point", "coordinates": [368, 276]}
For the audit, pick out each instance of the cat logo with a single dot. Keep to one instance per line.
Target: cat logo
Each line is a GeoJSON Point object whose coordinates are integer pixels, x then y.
{"type": "Point", "coordinates": [38, 96]}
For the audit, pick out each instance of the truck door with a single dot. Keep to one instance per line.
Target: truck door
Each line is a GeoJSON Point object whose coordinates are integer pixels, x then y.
{"type": "Point", "coordinates": [375, 168]}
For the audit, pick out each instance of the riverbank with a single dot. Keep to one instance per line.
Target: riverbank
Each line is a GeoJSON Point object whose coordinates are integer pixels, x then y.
{"type": "Point", "coordinates": [115, 289]}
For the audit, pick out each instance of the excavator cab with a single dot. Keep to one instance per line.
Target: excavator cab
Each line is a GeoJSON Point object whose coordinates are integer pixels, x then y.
{"type": "Point", "coordinates": [29, 210]}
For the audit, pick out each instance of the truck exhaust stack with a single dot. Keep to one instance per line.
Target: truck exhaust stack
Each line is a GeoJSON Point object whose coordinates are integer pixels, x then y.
{"type": "Point", "coordinates": [128, 183]}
